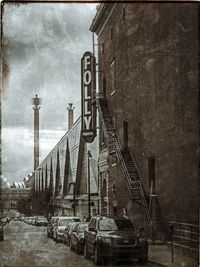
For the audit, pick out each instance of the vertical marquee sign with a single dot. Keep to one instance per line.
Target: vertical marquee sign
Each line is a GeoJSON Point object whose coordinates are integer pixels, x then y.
{"type": "Point", "coordinates": [88, 89]}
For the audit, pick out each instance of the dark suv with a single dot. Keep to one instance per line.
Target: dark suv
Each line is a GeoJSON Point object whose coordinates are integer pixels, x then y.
{"type": "Point", "coordinates": [114, 237]}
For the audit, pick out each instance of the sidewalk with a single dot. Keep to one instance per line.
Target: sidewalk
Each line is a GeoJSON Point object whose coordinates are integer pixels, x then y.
{"type": "Point", "coordinates": [161, 254]}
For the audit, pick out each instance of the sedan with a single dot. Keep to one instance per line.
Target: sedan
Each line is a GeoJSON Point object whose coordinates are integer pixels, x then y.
{"type": "Point", "coordinates": [67, 232]}
{"type": "Point", "coordinates": [77, 237]}
{"type": "Point", "coordinates": [41, 221]}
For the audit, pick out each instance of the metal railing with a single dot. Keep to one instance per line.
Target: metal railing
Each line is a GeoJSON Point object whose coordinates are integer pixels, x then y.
{"type": "Point", "coordinates": [185, 234]}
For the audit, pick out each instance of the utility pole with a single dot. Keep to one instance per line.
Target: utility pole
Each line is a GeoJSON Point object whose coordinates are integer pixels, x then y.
{"type": "Point", "coordinates": [36, 108]}
{"type": "Point", "coordinates": [89, 206]}
{"type": "Point", "coordinates": [74, 198]}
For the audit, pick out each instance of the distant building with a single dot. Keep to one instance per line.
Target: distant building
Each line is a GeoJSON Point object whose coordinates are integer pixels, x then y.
{"type": "Point", "coordinates": [148, 106]}
{"type": "Point", "coordinates": [29, 181]}
{"type": "Point", "coordinates": [18, 185]}
{"type": "Point", "coordinates": [64, 173]}
{"type": "Point", "coordinates": [10, 198]}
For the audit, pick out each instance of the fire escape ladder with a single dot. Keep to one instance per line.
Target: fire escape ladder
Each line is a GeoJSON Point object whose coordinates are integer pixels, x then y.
{"type": "Point", "coordinates": [127, 162]}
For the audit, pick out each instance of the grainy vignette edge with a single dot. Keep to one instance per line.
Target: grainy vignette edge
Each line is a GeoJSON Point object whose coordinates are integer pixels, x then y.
{"type": "Point", "coordinates": [3, 67]}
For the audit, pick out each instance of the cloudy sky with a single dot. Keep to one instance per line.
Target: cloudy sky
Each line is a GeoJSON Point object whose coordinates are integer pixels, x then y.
{"type": "Point", "coordinates": [43, 46]}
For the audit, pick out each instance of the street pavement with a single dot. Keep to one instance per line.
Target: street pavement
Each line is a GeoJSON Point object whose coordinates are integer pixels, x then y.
{"type": "Point", "coordinates": [28, 246]}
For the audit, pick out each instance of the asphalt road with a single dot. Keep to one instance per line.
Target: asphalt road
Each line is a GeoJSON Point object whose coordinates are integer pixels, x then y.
{"type": "Point", "coordinates": [28, 246]}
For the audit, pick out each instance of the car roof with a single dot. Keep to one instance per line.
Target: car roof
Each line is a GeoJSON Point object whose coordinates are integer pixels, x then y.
{"type": "Point", "coordinates": [68, 217]}
{"type": "Point", "coordinates": [64, 217]}
{"type": "Point", "coordinates": [110, 216]}
{"type": "Point", "coordinates": [82, 223]}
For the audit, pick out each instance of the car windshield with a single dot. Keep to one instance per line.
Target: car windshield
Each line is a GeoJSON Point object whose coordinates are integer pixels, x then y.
{"type": "Point", "coordinates": [109, 224]}
{"type": "Point", "coordinates": [64, 222]}
{"type": "Point", "coordinates": [82, 228]}
{"type": "Point", "coordinates": [76, 219]}
{"type": "Point", "coordinates": [72, 226]}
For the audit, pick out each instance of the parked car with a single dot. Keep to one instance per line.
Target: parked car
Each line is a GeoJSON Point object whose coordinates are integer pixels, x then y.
{"type": "Point", "coordinates": [33, 220]}
{"type": "Point", "coordinates": [50, 226]}
{"type": "Point", "coordinates": [67, 232]}
{"type": "Point", "coordinates": [4, 220]}
{"type": "Point", "coordinates": [21, 218]}
{"type": "Point", "coordinates": [114, 237]}
{"type": "Point", "coordinates": [77, 237]}
{"type": "Point", "coordinates": [41, 221]}
{"type": "Point", "coordinates": [26, 219]}
{"type": "Point", "coordinates": [60, 226]}
{"type": "Point", "coordinates": [29, 220]}
{"type": "Point", "coordinates": [1, 231]}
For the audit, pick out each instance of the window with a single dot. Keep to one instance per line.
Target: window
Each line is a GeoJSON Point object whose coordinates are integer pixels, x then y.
{"type": "Point", "coordinates": [93, 223]}
{"type": "Point", "coordinates": [104, 87]}
{"type": "Point", "coordinates": [76, 228]}
{"type": "Point", "coordinates": [104, 189]}
{"type": "Point", "coordinates": [123, 13]}
{"type": "Point", "coordinates": [112, 76]}
{"type": "Point", "coordinates": [111, 33]}
{"type": "Point", "coordinates": [102, 48]}
{"type": "Point", "coordinates": [82, 228]}
{"type": "Point", "coordinates": [152, 178]}
{"type": "Point", "coordinates": [63, 222]}
{"type": "Point", "coordinates": [110, 224]}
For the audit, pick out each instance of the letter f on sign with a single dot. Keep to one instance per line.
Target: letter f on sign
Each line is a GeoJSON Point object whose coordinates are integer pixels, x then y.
{"type": "Point", "coordinates": [86, 62]}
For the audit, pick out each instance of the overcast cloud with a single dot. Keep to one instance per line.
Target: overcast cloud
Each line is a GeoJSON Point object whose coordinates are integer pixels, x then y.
{"type": "Point", "coordinates": [43, 46]}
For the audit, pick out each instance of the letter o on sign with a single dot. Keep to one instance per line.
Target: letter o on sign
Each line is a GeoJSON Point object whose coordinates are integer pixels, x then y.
{"type": "Point", "coordinates": [87, 77]}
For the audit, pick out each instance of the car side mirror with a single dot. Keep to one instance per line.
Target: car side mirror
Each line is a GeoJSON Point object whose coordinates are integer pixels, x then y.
{"type": "Point", "coordinates": [141, 232]}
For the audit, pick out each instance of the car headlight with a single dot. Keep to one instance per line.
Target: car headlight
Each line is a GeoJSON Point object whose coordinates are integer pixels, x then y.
{"type": "Point", "coordinates": [106, 240]}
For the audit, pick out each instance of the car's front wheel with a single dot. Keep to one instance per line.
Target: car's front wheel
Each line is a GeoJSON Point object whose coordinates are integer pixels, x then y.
{"type": "Point", "coordinates": [68, 243]}
{"type": "Point", "coordinates": [71, 246]}
{"type": "Point", "coordinates": [98, 259]}
{"type": "Point", "coordinates": [78, 249]}
{"type": "Point", "coordinates": [56, 239]}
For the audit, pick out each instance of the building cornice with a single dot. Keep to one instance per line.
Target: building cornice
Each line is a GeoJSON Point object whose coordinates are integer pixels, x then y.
{"type": "Point", "coordinates": [101, 10]}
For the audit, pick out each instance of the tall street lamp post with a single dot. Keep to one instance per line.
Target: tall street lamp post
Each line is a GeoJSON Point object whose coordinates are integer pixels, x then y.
{"type": "Point", "coordinates": [74, 198]}
{"type": "Point", "coordinates": [89, 155]}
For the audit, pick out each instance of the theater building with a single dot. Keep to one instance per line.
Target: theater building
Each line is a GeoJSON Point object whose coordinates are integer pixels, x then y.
{"type": "Point", "coordinates": [148, 106]}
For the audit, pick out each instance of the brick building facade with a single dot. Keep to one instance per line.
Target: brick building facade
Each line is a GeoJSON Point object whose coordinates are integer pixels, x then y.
{"type": "Point", "coordinates": [148, 105]}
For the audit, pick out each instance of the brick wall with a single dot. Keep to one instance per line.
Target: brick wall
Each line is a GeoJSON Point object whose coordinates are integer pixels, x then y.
{"type": "Point", "coordinates": [149, 67]}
